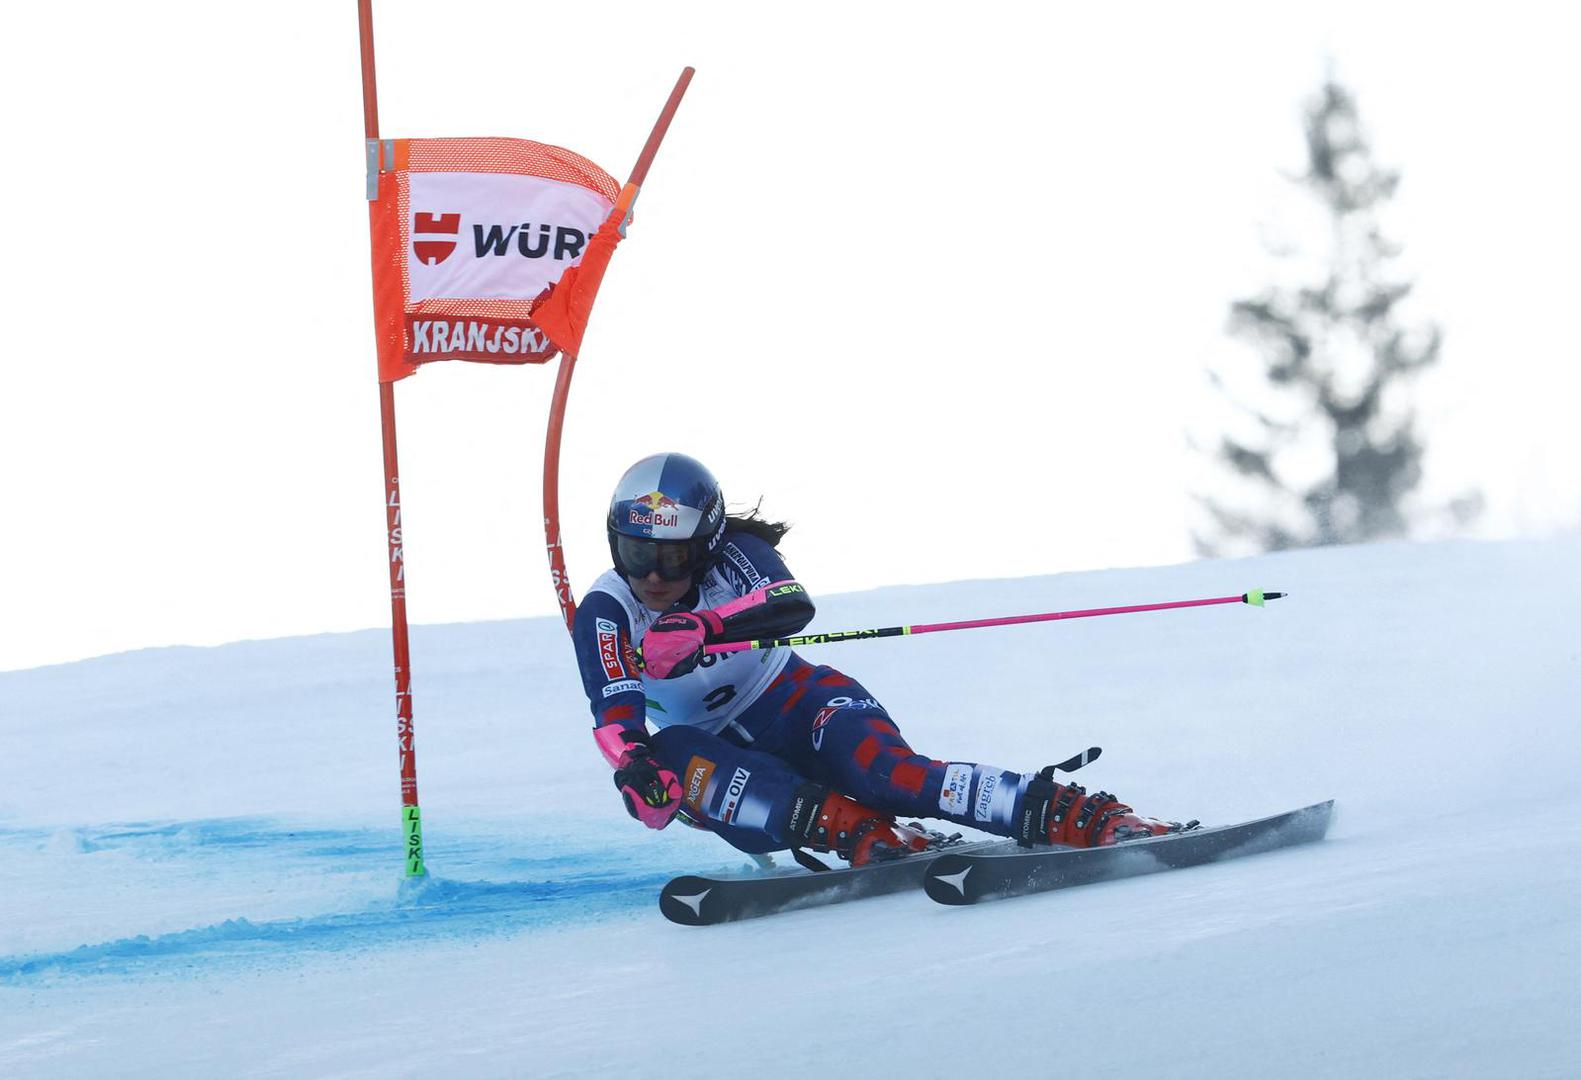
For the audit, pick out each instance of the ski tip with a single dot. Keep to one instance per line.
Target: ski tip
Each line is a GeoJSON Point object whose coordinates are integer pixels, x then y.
{"type": "Point", "coordinates": [1257, 596]}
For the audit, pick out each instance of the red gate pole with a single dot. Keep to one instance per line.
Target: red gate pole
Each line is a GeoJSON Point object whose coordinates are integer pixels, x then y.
{"type": "Point", "coordinates": [411, 814]}
{"type": "Point", "coordinates": [562, 382]}
{"type": "Point", "coordinates": [551, 491]}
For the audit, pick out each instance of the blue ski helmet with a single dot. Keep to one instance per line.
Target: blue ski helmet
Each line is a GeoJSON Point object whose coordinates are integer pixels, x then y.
{"type": "Point", "coordinates": [667, 514]}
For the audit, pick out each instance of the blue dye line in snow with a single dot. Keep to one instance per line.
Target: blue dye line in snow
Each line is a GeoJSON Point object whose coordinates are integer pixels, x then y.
{"type": "Point", "coordinates": [434, 910]}
{"type": "Point", "coordinates": [208, 837]}
{"type": "Point", "coordinates": [561, 884]}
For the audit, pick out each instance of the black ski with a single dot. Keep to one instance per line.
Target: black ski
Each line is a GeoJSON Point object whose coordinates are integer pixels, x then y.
{"type": "Point", "coordinates": [970, 877]}
{"type": "Point", "coordinates": [692, 900]}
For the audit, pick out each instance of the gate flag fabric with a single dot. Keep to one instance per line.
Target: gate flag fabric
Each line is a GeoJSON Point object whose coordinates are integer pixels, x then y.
{"type": "Point", "coordinates": [471, 237]}
{"type": "Point", "coordinates": [564, 313]}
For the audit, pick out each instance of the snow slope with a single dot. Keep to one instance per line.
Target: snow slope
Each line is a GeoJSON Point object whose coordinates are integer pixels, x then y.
{"type": "Point", "coordinates": [203, 849]}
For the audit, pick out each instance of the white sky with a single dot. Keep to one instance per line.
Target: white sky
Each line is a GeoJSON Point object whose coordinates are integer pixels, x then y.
{"type": "Point", "coordinates": [942, 286]}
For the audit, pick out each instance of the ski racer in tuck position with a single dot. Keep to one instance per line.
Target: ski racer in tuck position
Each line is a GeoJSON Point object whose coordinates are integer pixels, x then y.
{"type": "Point", "coordinates": [762, 747]}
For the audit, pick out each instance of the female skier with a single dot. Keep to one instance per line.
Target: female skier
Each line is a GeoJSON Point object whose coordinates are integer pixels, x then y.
{"type": "Point", "coordinates": [765, 749]}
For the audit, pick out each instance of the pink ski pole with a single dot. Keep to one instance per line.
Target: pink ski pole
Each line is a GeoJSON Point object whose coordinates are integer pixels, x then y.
{"type": "Point", "coordinates": [1256, 598]}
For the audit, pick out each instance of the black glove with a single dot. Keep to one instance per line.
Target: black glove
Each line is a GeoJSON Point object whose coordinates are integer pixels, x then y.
{"type": "Point", "coordinates": [651, 792]}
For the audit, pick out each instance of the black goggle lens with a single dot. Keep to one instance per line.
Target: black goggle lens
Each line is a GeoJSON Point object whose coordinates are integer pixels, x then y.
{"type": "Point", "coordinates": [674, 560]}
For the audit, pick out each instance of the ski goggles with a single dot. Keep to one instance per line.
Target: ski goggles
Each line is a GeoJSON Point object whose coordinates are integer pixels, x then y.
{"type": "Point", "coordinates": [674, 560]}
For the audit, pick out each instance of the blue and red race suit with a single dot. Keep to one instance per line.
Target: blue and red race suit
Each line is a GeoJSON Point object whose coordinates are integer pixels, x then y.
{"type": "Point", "coordinates": [744, 730]}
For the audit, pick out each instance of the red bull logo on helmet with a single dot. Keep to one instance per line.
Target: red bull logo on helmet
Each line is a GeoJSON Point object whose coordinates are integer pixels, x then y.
{"type": "Point", "coordinates": [656, 510]}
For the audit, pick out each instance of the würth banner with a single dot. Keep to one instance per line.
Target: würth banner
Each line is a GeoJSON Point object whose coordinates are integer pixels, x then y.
{"type": "Point", "coordinates": [475, 244]}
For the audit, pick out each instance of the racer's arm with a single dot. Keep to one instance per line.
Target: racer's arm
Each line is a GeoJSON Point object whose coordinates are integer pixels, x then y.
{"type": "Point", "coordinates": [771, 604]}
{"type": "Point", "coordinates": [611, 675]}
{"type": "Point", "coordinates": [608, 663]}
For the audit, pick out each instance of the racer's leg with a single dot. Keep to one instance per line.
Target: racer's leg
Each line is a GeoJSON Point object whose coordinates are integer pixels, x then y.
{"type": "Point", "coordinates": [759, 803]}
{"type": "Point", "coordinates": [831, 729]}
{"type": "Point", "coordinates": [743, 795]}
{"type": "Point", "coordinates": [835, 732]}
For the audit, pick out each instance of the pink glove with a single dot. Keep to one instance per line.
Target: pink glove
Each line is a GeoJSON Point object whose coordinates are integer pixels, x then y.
{"type": "Point", "coordinates": [651, 792]}
{"type": "Point", "coordinates": [674, 643]}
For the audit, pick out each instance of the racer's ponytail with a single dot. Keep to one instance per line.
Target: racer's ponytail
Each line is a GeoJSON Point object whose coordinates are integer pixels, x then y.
{"type": "Point", "coordinates": [753, 523]}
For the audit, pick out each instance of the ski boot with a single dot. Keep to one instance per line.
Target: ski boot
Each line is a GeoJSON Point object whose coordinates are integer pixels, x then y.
{"type": "Point", "coordinates": [825, 820]}
{"type": "Point", "coordinates": [1054, 813]}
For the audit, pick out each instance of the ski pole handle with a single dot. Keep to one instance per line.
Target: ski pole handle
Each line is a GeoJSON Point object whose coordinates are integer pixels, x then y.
{"type": "Point", "coordinates": [1255, 597]}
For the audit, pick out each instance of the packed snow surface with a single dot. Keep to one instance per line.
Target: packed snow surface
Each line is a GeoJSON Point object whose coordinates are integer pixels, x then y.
{"type": "Point", "coordinates": [203, 849]}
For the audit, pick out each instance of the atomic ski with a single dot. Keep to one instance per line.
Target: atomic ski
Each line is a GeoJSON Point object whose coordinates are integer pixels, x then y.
{"type": "Point", "coordinates": [703, 901]}
{"type": "Point", "coordinates": [966, 877]}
